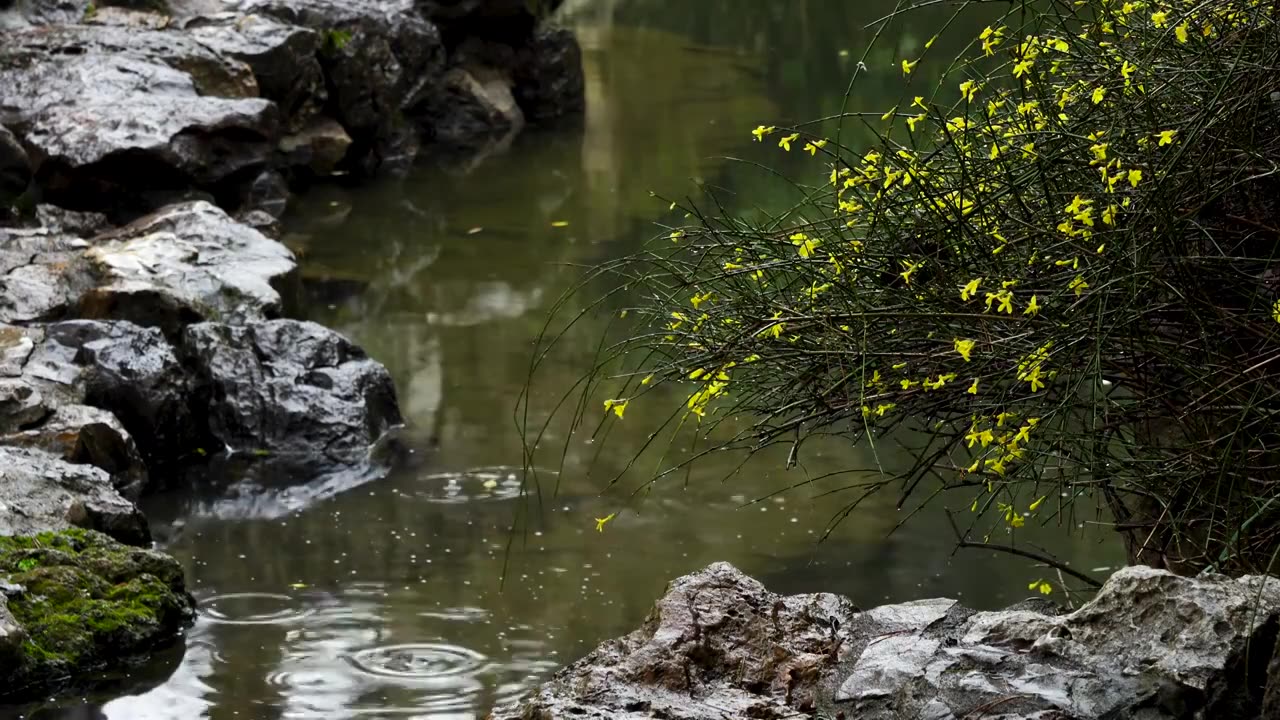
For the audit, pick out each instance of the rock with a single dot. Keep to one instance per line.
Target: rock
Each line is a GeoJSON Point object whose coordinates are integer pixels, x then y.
{"type": "Point", "coordinates": [282, 56]}
{"type": "Point", "coordinates": [90, 436]}
{"type": "Point", "coordinates": [25, 13]}
{"type": "Point", "coordinates": [549, 84]}
{"type": "Point", "coordinates": [1150, 645]}
{"type": "Point", "coordinates": [473, 109]}
{"type": "Point", "coordinates": [133, 373]}
{"type": "Point", "coordinates": [111, 114]}
{"type": "Point", "coordinates": [291, 388]}
{"type": "Point", "coordinates": [186, 263]}
{"type": "Point", "coordinates": [44, 270]}
{"type": "Point", "coordinates": [15, 169]}
{"type": "Point", "coordinates": [320, 147]}
{"type": "Point", "coordinates": [716, 645]}
{"type": "Point", "coordinates": [87, 603]}
{"type": "Point", "coordinates": [43, 492]}
{"type": "Point", "coordinates": [380, 58]}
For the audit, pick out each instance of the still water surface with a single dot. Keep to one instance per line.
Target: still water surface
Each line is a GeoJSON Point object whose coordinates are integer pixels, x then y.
{"type": "Point", "coordinates": [382, 600]}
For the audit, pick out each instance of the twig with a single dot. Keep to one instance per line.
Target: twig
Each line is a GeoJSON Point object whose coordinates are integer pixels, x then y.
{"type": "Point", "coordinates": [962, 542]}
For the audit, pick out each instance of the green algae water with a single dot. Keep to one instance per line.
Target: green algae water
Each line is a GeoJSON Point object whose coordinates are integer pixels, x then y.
{"type": "Point", "coordinates": [341, 598]}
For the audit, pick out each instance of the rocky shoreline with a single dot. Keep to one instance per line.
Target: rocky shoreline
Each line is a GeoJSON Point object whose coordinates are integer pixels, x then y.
{"type": "Point", "coordinates": [148, 149]}
{"type": "Point", "coordinates": [1150, 645]}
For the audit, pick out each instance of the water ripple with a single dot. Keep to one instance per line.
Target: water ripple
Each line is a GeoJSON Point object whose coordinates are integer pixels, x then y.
{"type": "Point", "coordinates": [419, 661]}
{"type": "Point", "coordinates": [253, 608]}
{"type": "Point", "coordinates": [500, 482]}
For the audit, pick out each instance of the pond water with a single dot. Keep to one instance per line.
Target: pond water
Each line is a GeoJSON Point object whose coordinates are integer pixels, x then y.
{"type": "Point", "coordinates": [339, 599]}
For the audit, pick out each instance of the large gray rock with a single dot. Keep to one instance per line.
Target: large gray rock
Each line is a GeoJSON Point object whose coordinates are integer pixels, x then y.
{"type": "Point", "coordinates": [129, 371]}
{"type": "Point", "coordinates": [43, 492]}
{"type": "Point", "coordinates": [25, 13]}
{"type": "Point", "coordinates": [85, 435]}
{"type": "Point", "coordinates": [44, 272]}
{"type": "Point", "coordinates": [291, 388]}
{"type": "Point", "coordinates": [110, 114]}
{"type": "Point", "coordinates": [1151, 645]}
{"type": "Point", "coordinates": [186, 263]}
{"type": "Point", "coordinates": [282, 56]}
{"type": "Point", "coordinates": [380, 57]}
{"type": "Point", "coordinates": [717, 645]}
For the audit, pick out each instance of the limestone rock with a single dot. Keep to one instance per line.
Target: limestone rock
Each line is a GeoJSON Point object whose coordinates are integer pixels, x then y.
{"type": "Point", "coordinates": [473, 109]}
{"type": "Point", "coordinates": [716, 645]}
{"type": "Point", "coordinates": [286, 387]}
{"type": "Point", "coordinates": [87, 435]}
{"type": "Point", "coordinates": [1151, 645]}
{"type": "Point", "coordinates": [43, 492]}
{"type": "Point", "coordinates": [186, 263]}
{"type": "Point", "coordinates": [84, 602]}
{"type": "Point", "coordinates": [548, 78]}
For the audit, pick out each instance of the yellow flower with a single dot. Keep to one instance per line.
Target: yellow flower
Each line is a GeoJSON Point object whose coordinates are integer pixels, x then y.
{"type": "Point", "coordinates": [1041, 586]}
{"type": "Point", "coordinates": [1160, 19]}
{"type": "Point", "coordinates": [911, 122]}
{"type": "Point", "coordinates": [761, 131]}
{"type": "Point", "coordinates": [964, 347]}
{"type": "Point", "coordinates": [1135, 177]}
{"type": "Point", "coordinates": [1036, 505]}
{"type": "Point", "coordinates": [813, 147]}
{"type": "Point", "coordinates": [906, 384]}
{"type": "Point", "coordinates": [600, 522]}
{"type": "Point", "coordinates": [1017, 520]}
{"type": "Point", "coordinates": [618, 406]}
{"type": "Point", "coordinates": [973, 389]}
{"type": "Point", "coordinates": [804, 244]}
{"type": "Point", "coordinates": [968, 90]}
{"type": "Point", "coordinates": [786, 140]}
{"type": "Point", "coordinates": [911, 267]}
{"type": "Point", "coordinates": [882, 409]}
{"type": "Point", "coordinates": [647, 379]}
{"type": "Point", "coordinates": [1098, 94]}
{"type": "Point", "coordinates": [1166, 137]}
{"type": "Point", "coordinates": [1006, 303]}
{"type": "Point", "coordinates": [907, 67]}
{"type": "Point", "coordinates": [676, 235]}
{"type": "Point", "coordinates": [1033, 307]}
{"type": "Point", "coordinates": [970, 289]}
{"type": "Point", "coordinates": [1275, 311]}
{"type": "Point", "coordinates": [1022, 68]}
{"type": "Point", "coordinates": [1181, 32]}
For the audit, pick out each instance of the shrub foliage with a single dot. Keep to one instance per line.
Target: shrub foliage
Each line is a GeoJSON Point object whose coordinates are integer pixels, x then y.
{"type": "Point", "coordinates": [1059, 263]}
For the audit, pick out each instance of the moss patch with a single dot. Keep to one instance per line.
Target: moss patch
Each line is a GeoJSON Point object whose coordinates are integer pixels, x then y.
{"type": "Point", "coordinates": [88, 602]}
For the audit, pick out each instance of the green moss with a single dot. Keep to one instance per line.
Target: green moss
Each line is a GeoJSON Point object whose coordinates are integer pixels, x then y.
{"type": "Point", "coordinates": [88, 601]}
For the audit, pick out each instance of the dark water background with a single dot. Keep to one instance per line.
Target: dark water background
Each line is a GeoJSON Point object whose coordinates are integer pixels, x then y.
{"type": "Point", "coordinates": [382, 600]}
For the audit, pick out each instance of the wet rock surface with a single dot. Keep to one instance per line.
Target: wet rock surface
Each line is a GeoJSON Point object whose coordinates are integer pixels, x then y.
{"type": "Point", "coordinates": [186, 263]}
{"type": "Point", "coordinates": [1150, 645]}
{"type": "Point", "coordinates": [77, 601]}
{"type": "Point", "coordinates": [44, 492]}
{"type": "Point", "coordinates": [289, 387]}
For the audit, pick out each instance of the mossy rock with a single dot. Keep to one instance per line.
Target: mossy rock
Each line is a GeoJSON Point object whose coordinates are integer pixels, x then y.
{"type": "Point", "coordinates": [81, 603]}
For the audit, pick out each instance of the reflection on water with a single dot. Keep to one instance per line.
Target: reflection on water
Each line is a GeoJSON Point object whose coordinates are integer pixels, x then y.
{"type": "Point", "coordinates": [341, 598]}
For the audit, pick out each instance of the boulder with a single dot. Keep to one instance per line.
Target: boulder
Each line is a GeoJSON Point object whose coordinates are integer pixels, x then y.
{"type": "Point", "coordinates": [548, 80]}
{"type": "Point", "coordinates": [320, 147]}
{"type": "Point", "coordinates": [131, 372]}
{"type": "Point", "coordinates": [282, 57]}
{"type": "Point", "coordinates": [109, 118]}
{"type": "Point", "coordinates": [25, 13]}
{"type": "Point", "coordinates": [717, 645]}
{"type": "Point", "coordinates": [43, 492]}
{"type": "Point", "coordinates": [473, 109]}
{"type": "Point", "coordinates": [78, 602]}
{"type": "Point", "coordinates": [15, 169]}
{"type": "Point", "coordinates": [1150, 645]}
{"type": "Point", "coordinates": [186, 263]}
{"type": "Point", "coordinates": [286, 387]}
{"type": "Point", "coordinates": [380, 58]}
{"type": "Point", "coordinates": [85, 435]}
{"type": "Point", "coordinates": [44, 270]}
